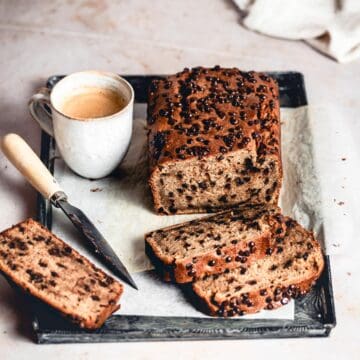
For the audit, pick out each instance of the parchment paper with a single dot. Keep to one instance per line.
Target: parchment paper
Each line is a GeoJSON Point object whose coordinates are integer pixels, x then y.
{"type": "Point", "coordinates": [120, 206]}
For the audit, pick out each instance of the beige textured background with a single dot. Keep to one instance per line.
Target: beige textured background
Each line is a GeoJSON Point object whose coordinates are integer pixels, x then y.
{"type": "Point", "coordinates": [41, 38]}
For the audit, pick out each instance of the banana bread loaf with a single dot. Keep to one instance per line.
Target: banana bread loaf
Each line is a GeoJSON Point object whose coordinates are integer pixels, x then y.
{"type": "Point", "coordinates": [43, 265]}
{"type": "Point", "coordinates": [214, 140]}
{"type": "Point", "coordinates": [287, 272]}
{"type": "Point", "coordinates": [210, 245]}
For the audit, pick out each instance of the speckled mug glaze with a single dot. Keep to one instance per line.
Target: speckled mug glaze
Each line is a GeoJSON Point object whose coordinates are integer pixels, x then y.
{"type": "Point", "coordinates": [94, 147]}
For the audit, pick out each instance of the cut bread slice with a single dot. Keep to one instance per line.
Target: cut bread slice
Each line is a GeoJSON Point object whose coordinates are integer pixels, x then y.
{"type": "Point", "coordinates": [210, 245]}
{"type": "Point", "coordinates": [50, 270]}
{"type": "Point", "coordinates": [288, 272]}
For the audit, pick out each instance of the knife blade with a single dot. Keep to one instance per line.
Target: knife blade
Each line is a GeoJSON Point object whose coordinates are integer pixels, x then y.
{"type": "Point", "coordinates": [100, 246]}
{"type": "Point", "coordinates": [28, 163]}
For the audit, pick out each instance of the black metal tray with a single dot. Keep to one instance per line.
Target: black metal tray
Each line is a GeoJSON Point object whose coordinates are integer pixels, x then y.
{"type": "Point", "coordinates": [314, 314]}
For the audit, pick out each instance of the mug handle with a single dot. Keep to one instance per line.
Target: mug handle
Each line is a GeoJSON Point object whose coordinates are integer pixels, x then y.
{"type": "Point", "coordinates": [40, 110]}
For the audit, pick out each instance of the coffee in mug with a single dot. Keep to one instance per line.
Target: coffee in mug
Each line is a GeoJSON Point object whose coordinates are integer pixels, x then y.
{"type": "Point", "coordinates": [90, 116]}
{"type": "Point", "coordinates": [92, 102]}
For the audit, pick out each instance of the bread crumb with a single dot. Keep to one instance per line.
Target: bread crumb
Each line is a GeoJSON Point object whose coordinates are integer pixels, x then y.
{"type": "Point", "coordinates": [96, 189]}
{"type": "Point", "coordinates": [336, 245]}
{"type": "Point", "coordinates": [348, 273]}
{"type": "Point", "coordinates": [343, 159]}
{"type": "Point", "coordinates": [340, 203]}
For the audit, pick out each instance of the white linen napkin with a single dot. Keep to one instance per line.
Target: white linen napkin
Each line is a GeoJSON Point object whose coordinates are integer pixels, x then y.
{"type": "Point", "coordinates": [330, 26]}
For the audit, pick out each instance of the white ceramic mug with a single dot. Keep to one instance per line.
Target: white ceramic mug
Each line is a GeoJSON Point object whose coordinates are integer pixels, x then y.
{"type": "Point", "coordinates": [94, 147]}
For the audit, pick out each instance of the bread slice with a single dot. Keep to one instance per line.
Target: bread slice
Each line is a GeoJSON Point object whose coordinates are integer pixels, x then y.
{"type": "Point", "coordinates": [46, 267]}
{"type": "Point", "coordinates": [288, 272]}
{"type": "Point", "coordinates": [214, 140]}
{"type": "Point", "coordinates": [210, 245]}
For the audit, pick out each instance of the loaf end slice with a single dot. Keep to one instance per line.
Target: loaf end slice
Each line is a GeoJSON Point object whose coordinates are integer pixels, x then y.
{"type": "Point", "coordinates": [50, 270]}
{"type": "Point", "coordinates": [290, 271]}
{"type": "Point", "coordinates": [210, 245]}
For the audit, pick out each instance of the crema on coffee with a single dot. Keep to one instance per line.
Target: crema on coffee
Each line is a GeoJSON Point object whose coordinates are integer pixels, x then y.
{"type": "Point", "coordinates": [92, 102]}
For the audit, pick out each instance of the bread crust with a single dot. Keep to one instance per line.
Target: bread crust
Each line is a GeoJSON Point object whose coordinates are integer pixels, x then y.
{"type": "Point", "coordinates": [82, 321]}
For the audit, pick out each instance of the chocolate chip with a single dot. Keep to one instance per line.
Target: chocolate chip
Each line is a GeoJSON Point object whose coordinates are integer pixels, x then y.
{"type": "Point", "coordinates": [68, 250]}
{"type": "Point", "coordinates": [172, 209]}
{"type": "Point", "coordinates": [55, 251]}
{"type": "Point", "coordinates": [203, 185]}
{"type": "Point", "coordinates": [35, 277]}
{"type": "Point", "coordinates": [279, 240]}
{"type": "Point", "coordinates": [284, 300]}
{"type": "Point", "coordinates": [290, 223]}
{"type": "Point", "coordinates": [277, 291]}
{"type": "Point", "coordinates": [191, 272]}
{"type": "Point", "coordinates": [42, 263]}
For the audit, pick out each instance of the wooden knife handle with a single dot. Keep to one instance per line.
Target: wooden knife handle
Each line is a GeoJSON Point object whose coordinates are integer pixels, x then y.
{"type": "Point", "coordinates": [28, 163]}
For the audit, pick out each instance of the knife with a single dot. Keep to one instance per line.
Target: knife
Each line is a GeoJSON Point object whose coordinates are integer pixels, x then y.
{"type": "Point", "coordinates": [30, 166]}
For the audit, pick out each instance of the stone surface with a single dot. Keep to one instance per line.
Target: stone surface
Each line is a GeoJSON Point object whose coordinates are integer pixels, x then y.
{"type": "Point", "coordinates": [41, 38]}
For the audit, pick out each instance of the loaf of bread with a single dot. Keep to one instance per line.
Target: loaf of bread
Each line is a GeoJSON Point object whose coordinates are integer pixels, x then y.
{"type": "Point", "coordinates": [210, 245]}
{"type": "Point", "coordinates": [286, 272]}
{"type": "Point", "coordinates": [214, 140]}
{"type": "Point", "coordinates": [50, 270]}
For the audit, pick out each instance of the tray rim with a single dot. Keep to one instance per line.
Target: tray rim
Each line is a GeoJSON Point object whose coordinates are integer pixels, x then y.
{"type": "Point", "coordinates": [133, 328]}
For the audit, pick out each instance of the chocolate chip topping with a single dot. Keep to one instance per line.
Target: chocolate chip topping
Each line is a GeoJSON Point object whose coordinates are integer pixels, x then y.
{"type": "Point", "coordinates": [205, 105]}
